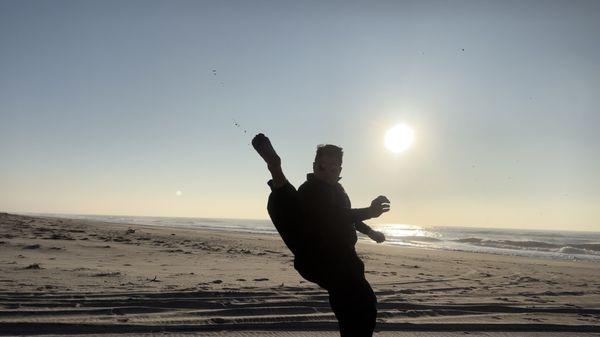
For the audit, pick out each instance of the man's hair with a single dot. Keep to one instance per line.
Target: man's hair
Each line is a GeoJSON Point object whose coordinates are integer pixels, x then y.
{"type": "Point", "coordinates": [329, 150]}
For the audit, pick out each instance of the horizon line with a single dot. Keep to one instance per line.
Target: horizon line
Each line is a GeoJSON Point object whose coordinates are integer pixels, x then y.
{"type": "Point", "coordinates": [266, 219]}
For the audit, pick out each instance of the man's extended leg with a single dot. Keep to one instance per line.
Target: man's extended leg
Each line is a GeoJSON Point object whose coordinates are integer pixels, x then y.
{"type": "Point", "coordinates": [283, 200]}
{"type": "Point", "coordinates": [285, 215]}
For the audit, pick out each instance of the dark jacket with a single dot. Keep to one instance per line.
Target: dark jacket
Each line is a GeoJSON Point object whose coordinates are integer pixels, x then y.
{"type": "Point", "coordinates": [330, 222]}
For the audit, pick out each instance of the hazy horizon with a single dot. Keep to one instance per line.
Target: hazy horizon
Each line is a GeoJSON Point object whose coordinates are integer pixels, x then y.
{"type": "Point", "coordinates": [148, 107]}
{"type": "Point", "coordinates": [378, 223]}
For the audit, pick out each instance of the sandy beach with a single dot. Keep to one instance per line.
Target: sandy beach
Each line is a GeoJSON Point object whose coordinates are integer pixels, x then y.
{"type": "Point", "coordinates": [64, 276]}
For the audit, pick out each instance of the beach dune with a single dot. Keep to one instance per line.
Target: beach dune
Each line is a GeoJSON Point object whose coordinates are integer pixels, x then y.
{"type": "Point", "coordinates": [64, 276]}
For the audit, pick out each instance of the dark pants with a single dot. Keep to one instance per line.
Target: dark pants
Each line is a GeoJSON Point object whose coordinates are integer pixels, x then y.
{"type": "Point", "coordinates": [340, 272]}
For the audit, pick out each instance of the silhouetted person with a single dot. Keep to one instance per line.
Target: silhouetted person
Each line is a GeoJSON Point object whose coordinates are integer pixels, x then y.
{"type": "Point", "coordinates": [319, 226]}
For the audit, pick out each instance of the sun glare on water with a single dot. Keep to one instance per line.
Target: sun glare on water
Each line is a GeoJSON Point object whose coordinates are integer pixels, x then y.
{"type": "Point", "coordinates": [399, 138]}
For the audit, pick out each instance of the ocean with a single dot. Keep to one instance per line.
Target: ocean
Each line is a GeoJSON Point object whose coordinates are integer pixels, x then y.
{"type": "Point", "coordinates": [564, 245]}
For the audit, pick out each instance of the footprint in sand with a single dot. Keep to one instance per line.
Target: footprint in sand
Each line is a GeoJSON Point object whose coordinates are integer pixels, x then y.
{"type": "Point", "coordinates": [107, 274]}
{"type": "Point", "coordinates": [34, 266]}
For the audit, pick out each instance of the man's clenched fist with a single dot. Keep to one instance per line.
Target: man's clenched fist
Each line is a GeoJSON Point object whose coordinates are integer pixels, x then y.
{"type": "Point", "coordinates": [379, 205]}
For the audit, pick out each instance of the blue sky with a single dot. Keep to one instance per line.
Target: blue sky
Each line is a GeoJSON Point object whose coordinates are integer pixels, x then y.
{"type": "Point", "coordinates": [111, 107]}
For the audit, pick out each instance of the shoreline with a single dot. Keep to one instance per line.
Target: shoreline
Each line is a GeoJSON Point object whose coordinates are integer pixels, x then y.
{"type": "Point", "coordinates": [362, 239]}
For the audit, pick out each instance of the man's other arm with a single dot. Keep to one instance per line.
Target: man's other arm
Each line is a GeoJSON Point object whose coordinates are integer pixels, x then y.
{"type": "Point", "coordinates": [362, 227]}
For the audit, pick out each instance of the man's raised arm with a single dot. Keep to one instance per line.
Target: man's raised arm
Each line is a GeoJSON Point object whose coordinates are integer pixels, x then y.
{"type": "Point", "coordinates": [315, 207]}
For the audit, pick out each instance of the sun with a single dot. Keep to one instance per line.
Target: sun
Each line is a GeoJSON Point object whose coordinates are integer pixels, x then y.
{"type": "Point", "coordinates": [399, 138]}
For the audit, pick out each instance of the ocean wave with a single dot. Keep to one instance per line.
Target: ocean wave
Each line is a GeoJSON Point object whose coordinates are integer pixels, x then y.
{"type": "Point", "coordinates": [470, 240]}
{"type": "Point", "coordinates": [419, 239]}
{"type": "Point", "coordinates": [588, 246]}
{"type": "Point", "coordinates": [577, 251]}
{"type": "Point", "coordinates": [510, 244]}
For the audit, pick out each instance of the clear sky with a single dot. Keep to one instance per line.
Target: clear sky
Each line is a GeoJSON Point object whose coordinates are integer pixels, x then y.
{"type": "Point", "coordinates": [130, 107]}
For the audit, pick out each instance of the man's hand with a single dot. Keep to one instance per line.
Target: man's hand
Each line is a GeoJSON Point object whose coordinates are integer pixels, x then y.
{"type": "Point", "coordinates": [379, 205]}
{"type": "Point", "coordinates": [376, 236]}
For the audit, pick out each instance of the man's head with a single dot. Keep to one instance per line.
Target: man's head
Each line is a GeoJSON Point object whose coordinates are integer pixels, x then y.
{"type": "Point", "coordinates": [328, 163]}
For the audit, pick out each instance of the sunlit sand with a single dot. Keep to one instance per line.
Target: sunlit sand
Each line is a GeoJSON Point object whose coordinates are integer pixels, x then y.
{"type": "Point", "coordinates": [83, 276]}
